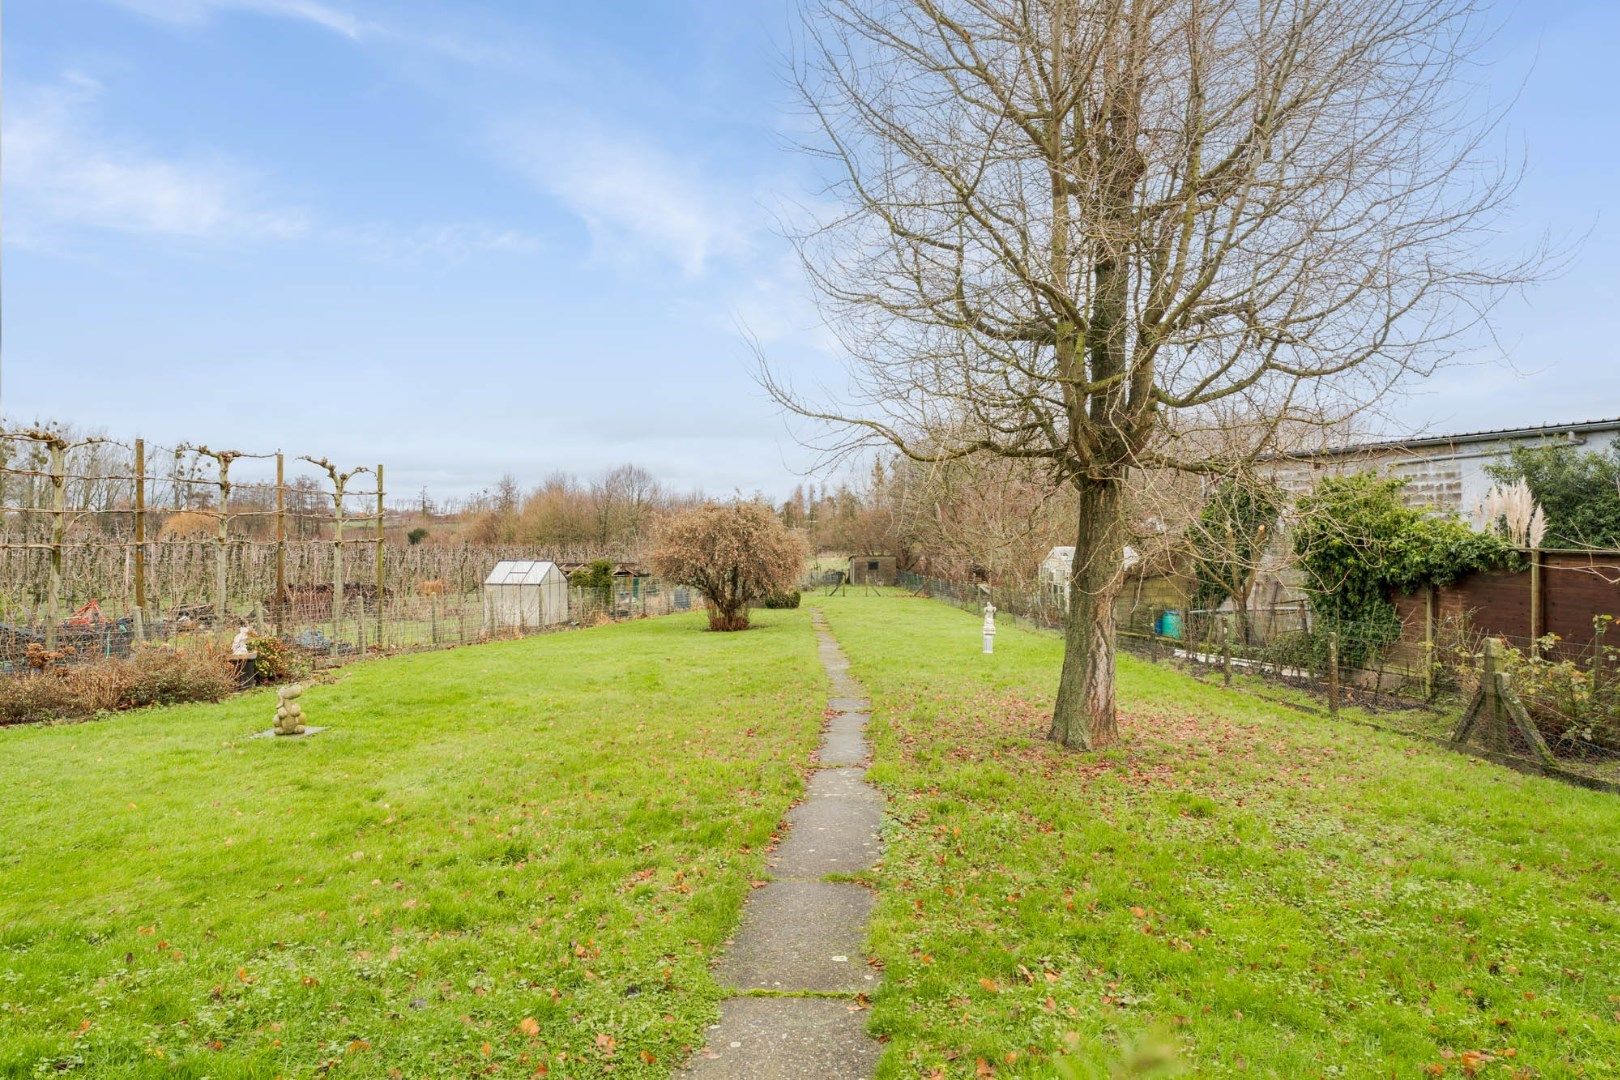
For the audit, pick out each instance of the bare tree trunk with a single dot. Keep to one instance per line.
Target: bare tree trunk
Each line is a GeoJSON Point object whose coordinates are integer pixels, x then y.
{"type": "Point", "coordinates": [1084, 717]}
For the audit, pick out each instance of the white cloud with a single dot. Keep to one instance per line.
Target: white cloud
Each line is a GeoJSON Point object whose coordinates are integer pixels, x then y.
{"type": "Point", "coordinates": [63, 175]}
{"type": "Point", "coordinates": [450, 45]}
{"type": "Point", "coordinates": [453, 243]}
{"type": "Point", "coordinates": [193, 11]}
{"type": "Point", "coordinates": [60, 172]}
{"type": "Point", "coordinates": [635, 197]}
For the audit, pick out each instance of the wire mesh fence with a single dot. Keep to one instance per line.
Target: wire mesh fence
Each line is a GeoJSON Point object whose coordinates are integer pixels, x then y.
{"type": "Point", "coordinates": [1548, 705]}
{"type": "Point", "coordinates": [106, 545]}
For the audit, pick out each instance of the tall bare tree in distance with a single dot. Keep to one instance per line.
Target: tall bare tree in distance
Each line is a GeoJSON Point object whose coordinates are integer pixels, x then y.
{"type": "Point", "coordinates": [1081, 232]}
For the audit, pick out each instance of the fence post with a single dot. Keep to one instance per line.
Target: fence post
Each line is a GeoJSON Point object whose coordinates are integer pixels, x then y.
{"type": "Point", "coordinates": [1226, 653]}
{"type": "Point", "coordinates": [140, 540]}
{"type": "Point", "coordinates": [337, 559]}
{"type": "Point", "coordinates": [1537, 600]}
{"type": "Point", "coordinates": [1333, 673]}
{"type": "Point", "coordinates": [53, 589]}
{"type": "Point", "coordinates": [281, 545]}
{"type": "Point", "coordinates": [1428, 643]}
{"type": "Point", "coordinates": [380, 565]}
{"type": "Point", "coordinates": [1495, 720]}
{"type": "Point", "coordinates": [221, 572]}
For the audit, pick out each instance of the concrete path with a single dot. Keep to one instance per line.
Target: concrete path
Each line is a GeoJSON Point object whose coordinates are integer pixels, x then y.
{"type": "Point", "coordinates": [802, 934]}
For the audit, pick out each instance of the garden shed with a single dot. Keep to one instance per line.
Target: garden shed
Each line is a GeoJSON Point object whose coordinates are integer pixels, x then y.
{"type": "Point", "coordinates": [522, 593]}
{"type": "Point", "coordinates": [872, 570]}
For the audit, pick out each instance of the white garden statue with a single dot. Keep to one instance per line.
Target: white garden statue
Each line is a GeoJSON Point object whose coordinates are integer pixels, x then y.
{"type": "Point", "coordinates": [239, 644]}
{"type": "Point", "coordinates": [989, 628]}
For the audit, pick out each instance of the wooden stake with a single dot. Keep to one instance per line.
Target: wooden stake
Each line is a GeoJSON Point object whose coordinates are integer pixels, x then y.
{"type": "Point", "coordinates": [380, 565]}
{"type": "Point", "coordinates": [1333, 673]}
{"type": "Point", "coordinates": [281, 545]}
{"type": "Point", "coordinates": [1492, 712]}
{"type": "Point", "coordinates": [140, 540]}
{"type": "Point", "coordinates": [53, 588]}
{"type": "Point", "coordinates": [222, 547]}
{"type": "Point", "coordinates": [1428, 643]}
{"type": "Point", "coordinates": [1226, 653]}
{"type": "Point", "coordinates": [338, 483]}
{"type": "Point", "coordinates": [1537, 601]}
{"type": "Point", "coordinates": [1521, 719]}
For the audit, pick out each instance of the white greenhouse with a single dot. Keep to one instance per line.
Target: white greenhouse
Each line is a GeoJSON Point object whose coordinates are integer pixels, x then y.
{"type": "Point", "coordinates": [520, 594]}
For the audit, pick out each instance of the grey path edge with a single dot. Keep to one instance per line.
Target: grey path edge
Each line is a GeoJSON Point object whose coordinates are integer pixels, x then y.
{"type": "Point", "coordinates": [801, 933]}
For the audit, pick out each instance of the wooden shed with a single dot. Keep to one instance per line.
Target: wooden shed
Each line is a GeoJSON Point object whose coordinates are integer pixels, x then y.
{"type": "Point", "coordinates": [872, 570]}
{"type": "Point", "coordinates": [521, 594]}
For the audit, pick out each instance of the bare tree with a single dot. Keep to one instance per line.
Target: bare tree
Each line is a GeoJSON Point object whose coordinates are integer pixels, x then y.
{"type": "Point", "coordinates": [1072, 231]}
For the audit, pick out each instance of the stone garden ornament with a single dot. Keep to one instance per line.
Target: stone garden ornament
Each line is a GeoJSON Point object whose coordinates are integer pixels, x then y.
{"type": "Point", "coordinates": [989, 628]}
{"type": "Point", "coordinates": [289, 714]}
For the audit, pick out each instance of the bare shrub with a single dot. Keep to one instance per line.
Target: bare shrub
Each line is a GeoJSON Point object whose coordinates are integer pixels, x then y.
{"type": "Point", "coordinates": [152, 676]}
{"type": "Point", "coordinates": [735, 554]}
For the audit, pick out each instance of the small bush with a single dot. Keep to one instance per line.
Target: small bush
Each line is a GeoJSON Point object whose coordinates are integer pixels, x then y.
{"type": "Point", "coordinates": [416, 536]}
{"type": "Point", "coordinates": [778, 601]}
{"type": "Point", "coordinates": [278, 661]}
{"type": "Point", "coordinates": [152, 676]}
{"type": "Point", "coordinates": [735, 554]}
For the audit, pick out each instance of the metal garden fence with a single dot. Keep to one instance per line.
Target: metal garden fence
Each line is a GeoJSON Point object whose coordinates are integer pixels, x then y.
{"type": "Point", "coordinates": [1547, 706]}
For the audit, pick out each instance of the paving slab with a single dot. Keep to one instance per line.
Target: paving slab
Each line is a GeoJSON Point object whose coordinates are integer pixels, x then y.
{"type": "Point", "coordinates": [842, 748]}
{"type": "Point", "coordinates": [848, 723]}
{"type": "Point", "coordinates": [801, 935]}
{"type": "Point", "coordinates": [841, 783]}
{"type": "Point", "coordinates": [831, 835]}
{"type": "Point", "coordinates": [786, 1039]}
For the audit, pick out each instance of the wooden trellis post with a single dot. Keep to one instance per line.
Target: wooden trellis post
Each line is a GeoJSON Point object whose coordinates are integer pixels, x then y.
{"type": "Point", "coordinates": [281, 545]}
{"type": "Point", "coordinates": [140, 540]}
{"type": "Point", "coordinates": [380, 564]}
{"type": "Point", "coordinates": [53, 587]}
{"type": "Point", "coordinates": [337, 559]}
{"type": "Point", "coordinates": [340, 483]}
{"type": "Point", "coordinates": [222, 536]}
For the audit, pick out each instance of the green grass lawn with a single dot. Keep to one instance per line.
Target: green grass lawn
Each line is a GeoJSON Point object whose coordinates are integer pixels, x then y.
{"type": "Point", "coordinates": [526, 854]}
{"type": "Point", "coordinates": [497, 858]}
{"type": "Point", "coordinates": [1260, 891]}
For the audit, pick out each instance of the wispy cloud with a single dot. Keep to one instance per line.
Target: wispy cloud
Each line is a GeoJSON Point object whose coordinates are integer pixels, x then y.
{"type": "Point", "coordinates": [65, 176]}
{"type": "Point", "coordinates": [325, 16]}
{"type": "Point", "coordinates": [452, 243]}
{"type": "Point", "coordinates": [450, 45]}
{"type": "Point", "coordinates": [62, 172]}
{"type": "Point", "coordinates": [636, 198]}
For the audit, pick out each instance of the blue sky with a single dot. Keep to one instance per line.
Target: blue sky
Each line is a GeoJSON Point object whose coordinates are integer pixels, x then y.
{"type": "Point", "coordinates": [465, 237]}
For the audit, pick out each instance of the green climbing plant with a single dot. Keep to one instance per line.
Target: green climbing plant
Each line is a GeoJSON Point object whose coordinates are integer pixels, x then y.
{"type": "Point", "coordinates": [1234, 528]}
{"type": "Point", "coordinates": [1358, 542]}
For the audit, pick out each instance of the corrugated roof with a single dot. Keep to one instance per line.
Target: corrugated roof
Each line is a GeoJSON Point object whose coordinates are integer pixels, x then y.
{"type": "Point", "coordinates": [1418, 442]}
{"type": "Point", "coordinates": [520, 572]}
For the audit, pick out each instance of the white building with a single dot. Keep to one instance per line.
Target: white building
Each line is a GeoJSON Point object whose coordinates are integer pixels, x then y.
{"type": "Point", "coordinates": [521, 595]}
{"type": "Point", "coordinates": [1055, 569]}
{"type": "Point", "coordinates": [1445, 472]}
